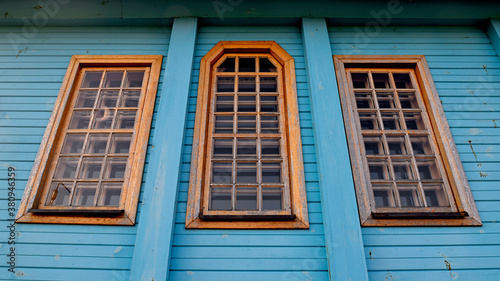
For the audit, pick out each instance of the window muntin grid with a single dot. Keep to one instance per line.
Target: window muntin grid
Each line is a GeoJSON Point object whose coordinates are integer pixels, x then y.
{"type": "Point", "coordinates": [246, 147]}
{"type": "Point", "coordinates": [90, 169]}
{"type": "Point", "coordinates": [396, 140]}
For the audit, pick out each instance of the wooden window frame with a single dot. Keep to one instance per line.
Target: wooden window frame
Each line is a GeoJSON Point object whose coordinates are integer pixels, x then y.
{"type": "Point", "coordinates": [124, 214]}
{"type": "Point", "coordinates": [464, 211]}
{"type": "Point", "coordinates": [290, 131]}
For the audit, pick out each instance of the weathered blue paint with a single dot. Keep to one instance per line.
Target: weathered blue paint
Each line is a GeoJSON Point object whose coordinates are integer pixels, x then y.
{"type": "Point", "coordinates": [30, 84]}
{"type": "Point", "coordinates": [465, 70]}
{"type": "Point", "coordinates": [154, 237]}
{"type": "Point", "coordinates": [493, 32]}
{"type": "Point", "coordinates": [264, 255]}
{"type": "Point", "coordinates": [344, 244]}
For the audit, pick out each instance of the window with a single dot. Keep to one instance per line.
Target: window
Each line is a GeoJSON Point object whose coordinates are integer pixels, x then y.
{"type": "Point", "coordinates": [247, 169]}
{"type": "Point", "coordinates": [405, 164]}
{"type": "Point", "coordinates": [89, 166]}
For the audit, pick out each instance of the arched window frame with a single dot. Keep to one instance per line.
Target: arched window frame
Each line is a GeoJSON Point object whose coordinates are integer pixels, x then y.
{"type": "Point", "coordinates": [297, 217]}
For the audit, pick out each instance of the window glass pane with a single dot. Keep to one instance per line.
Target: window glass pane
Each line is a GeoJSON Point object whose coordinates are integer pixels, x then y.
{"type": "Point", "coordinates": [227, 65]}
{"type": "Point", "coordinates": [113, 79]}
{"type": "Point", "coordinates": [247, 148]}
{"type": "Point", "coordinates": [270, 147]}
{"type": "Point", "coordinates": [222, 172]}
{"type": "Point", "coordinates": [368, 121]}
{"type": "Point", "coordinates": [421, 145]}
{"type": "Point", "coordinates": [427, 169]}
{"type": "Point", "coordinates": [402, 169]}
{"type": "Point", "coordinates": [268, 84]}
{"type": "Point", "coordinates": [360, 80]}
{"type": "Point", "coordinates": [59, 194]}
{"type": "Point", "coordinates": [86, 99]}
{"type": "Point", "coordinates": [378, 169]}
{"type": "Point", "coordinates": [130, 99]}
{"type": "Point", "coordinates": [223, 148]}
{"type": "Point", "coordinates": [402, 80]}
{"type": "Point", "coordinates": [134, 79]}
{"type": "Point", "coordinates": [91, 167]}
{"type": "Point", "coordinates": [384, 196]}
{"type": "Point", "coordinates": [246, 124]}
{"type": "Point", "coordinates": [246, 104]}
{"type": "Point", "coordinates": [66, 168]}
{"type": "Point", "coordinates": [246, 199]}
{"type": "Point", "coordinates": [220, 198]}
{"type": "Point", "coordinates": [435, 195]}
{"type": "Point", "coordinates": [224, 124]}
{"type": "Point", "coordinates": [247, 65]}
{"type": "Point", "coordinates": [271, 173]}
{"type": "Point", "coordinates": [364, 100]}
{"type": "Point", "coordinates": [269, 103]}
{"type": "Point", "coordinates": [97, 144]}
{"type": "Point", "coordinates": [84, 194]}
{"type": "Point", "coordinates": [246, 84]}
{"type": "Point", "coordinates": [80, 120]}
{"type": "Point", "coordinates": [92, 79]}
{"type": "Point", "coordinates": [397, 145]}
{"type": "Point", "coordinates": [125, 119]}
{"type": "Point", "coordinates": [246, 172]}
{"type": "Point", "coordinates": [120, 143]}
{"type": "Point", "coordinates": [272, 198]}
{"type": "Point", "coordinates": [381, 80]}
{"type": "Point", "coordinates": [269, 124]}
{"type": "Point", "coordinates": [373, 145]}
{"type": "Point", "coordinates": [115, 168]}
{"type": "Point", "coordinates": [386, 100]}
{"type": "Point", "coordinates": [110, 194]}
{"type": "Point", "coordinates": [73, 143]}
{"type": "Point", "coordinates": [391, 121]}
{"type": "Point", "coordinates": [224, 103]}
{"type": "Point", "coordinates": [225, 84]}
{"type": "Point", "coordinates": [408, 195]}
{"type": "Point", "coordinates": [103, 119]}
{"type": "Point", "coordinates": [408, 100]}
{"type": "Point", "coordinates": [108, 99]}
{"type": "Point", "coordinates": [266, 66]}
{"type": "Point", "coordinates": [414, 121]}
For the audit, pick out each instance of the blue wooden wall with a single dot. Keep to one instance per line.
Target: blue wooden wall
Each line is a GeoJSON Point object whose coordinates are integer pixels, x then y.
{"type": "Point", "coordinates": [214, 255]}
{"type": "Point", "coordinates": [30, 78]}
{"type": "Point", "coordinates": [466, 72]}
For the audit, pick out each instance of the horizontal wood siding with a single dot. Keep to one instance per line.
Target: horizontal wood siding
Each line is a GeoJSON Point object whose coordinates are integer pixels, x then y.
{"type": "Point", "coordinates": [466, 72]}
{"type": "Point", "coordinates": [30, 78]}
{"type": "Point", "coordinates": [216, 255]}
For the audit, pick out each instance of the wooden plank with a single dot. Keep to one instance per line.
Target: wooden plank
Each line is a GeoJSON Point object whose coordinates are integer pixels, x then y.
{"type": "Point", "coordinates": [154, 235]}
{"type": "Point", "coordinates": [247, 275]}
{"type": "Point", "coordinates": [342, 228]}
{"type": "Point", "coordinates": [493, 33]}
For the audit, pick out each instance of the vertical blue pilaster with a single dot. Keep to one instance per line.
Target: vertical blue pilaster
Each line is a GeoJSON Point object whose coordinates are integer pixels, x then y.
{"type": "Point", "coordinates": [346, 259]}
{"type": "Point", "coordinates": [156, 223]}
{"type": "Point", "coordinates": [494, 34]}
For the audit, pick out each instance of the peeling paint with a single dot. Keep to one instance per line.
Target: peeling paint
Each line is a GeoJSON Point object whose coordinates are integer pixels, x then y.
{"type": "Point", "coordinates": [371, 256]}
{"type": "Point", "coordinates": [57, 257]}
{"type": "Point", "coordinates": [37, 7]}
{"type": "Point", "coordinates": [6, 14]}
{"type": "Point", "coordinates": [471, 92]}
{"type": "Point", "coordinates": [224, 236]}
{"type": "Point", "coordinates": [19, 273]}
{"type": "Point", "coordinates": [474, 131]}
{"type": "Point", "coordinates": [483, 175]}
{"type": "Point", "coordinates": [494, 122]}
{"type": "Point", "coordinates": [485, 66]}
{"type": "Point", "coordinates": [117, 250]}
{"type": "Point", "coordinates": [190, 273]}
